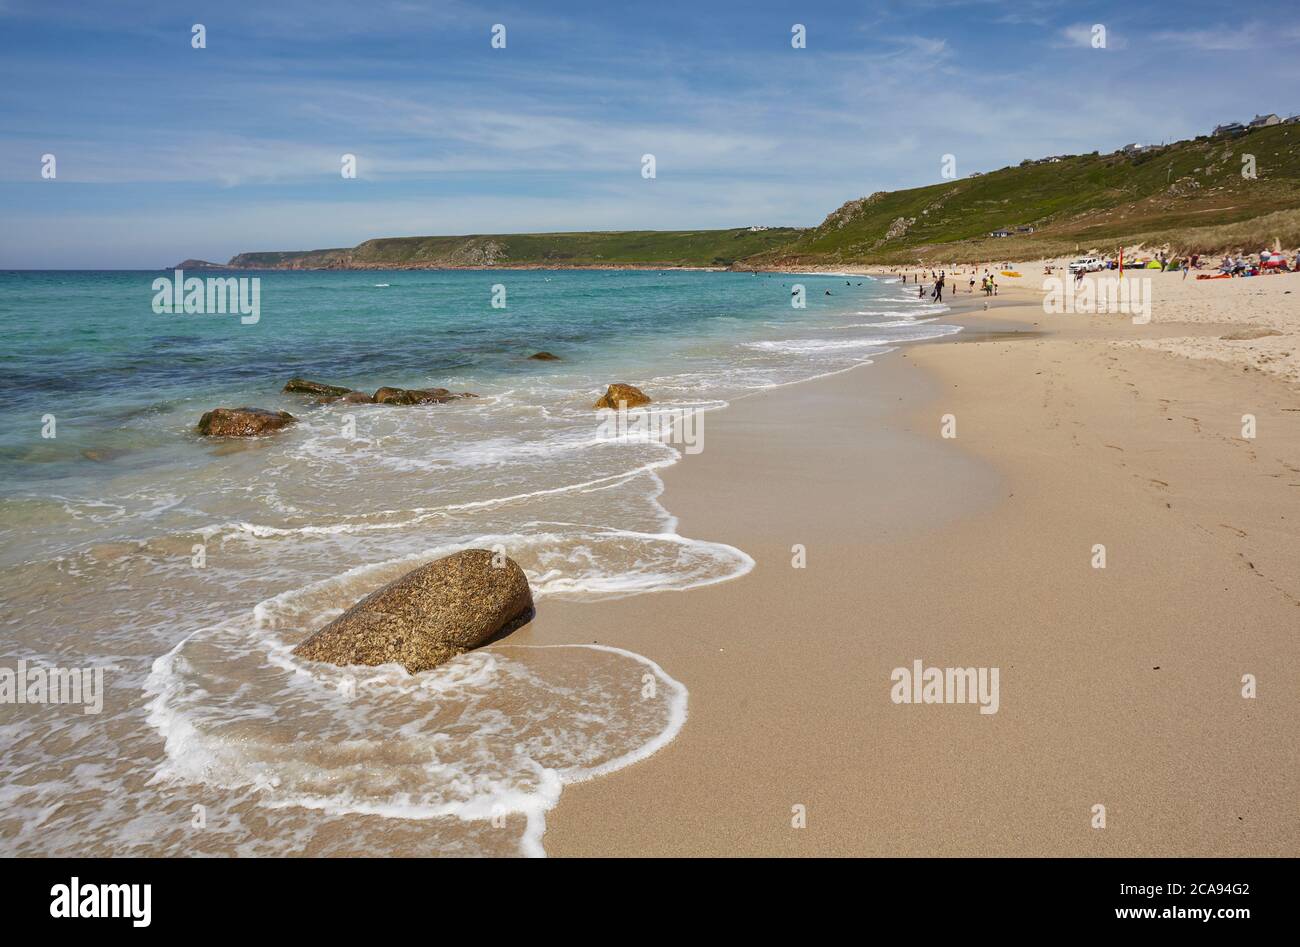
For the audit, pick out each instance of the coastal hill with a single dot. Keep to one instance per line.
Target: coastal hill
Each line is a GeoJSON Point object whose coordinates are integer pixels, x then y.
{"type": "Point", "coordinates": [1191, 196]}
{"type": "Point", "coordinates": [632, 248]}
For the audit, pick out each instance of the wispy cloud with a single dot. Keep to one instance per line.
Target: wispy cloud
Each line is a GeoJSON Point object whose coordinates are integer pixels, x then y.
{"type": "Point", "coordinates": [1242, 37]}
{"type": "Point", "coordinates": [238, 146]}
{"type": "Point", "coordinates": [1089, 36]}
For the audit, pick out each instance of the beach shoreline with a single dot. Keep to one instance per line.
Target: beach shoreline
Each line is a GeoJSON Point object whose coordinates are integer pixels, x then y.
{"type": "Point", "coordinates": [1120, 687]}
{"type": "Point", "coordinates": [937, 507]}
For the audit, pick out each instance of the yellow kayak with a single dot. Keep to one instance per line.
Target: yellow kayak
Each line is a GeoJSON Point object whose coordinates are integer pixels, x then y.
{"type": "Point", "coordinates": [1010, 273]}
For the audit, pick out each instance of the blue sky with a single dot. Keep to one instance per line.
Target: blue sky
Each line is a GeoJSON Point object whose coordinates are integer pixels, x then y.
{"type": "Point", "coordinates": [166, 152]}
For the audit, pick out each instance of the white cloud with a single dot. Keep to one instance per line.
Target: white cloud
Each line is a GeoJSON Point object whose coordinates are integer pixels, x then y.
{"type": "Point", "coordinates": [1240, 38]}
{"type": "Point", "coordinates": [1081, 35]}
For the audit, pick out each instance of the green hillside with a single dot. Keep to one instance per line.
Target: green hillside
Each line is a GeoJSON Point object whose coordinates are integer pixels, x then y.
{"type": "Point", "coordinates": [1191, 194]}
{"type": "Point", "coordinates": [615, 248]}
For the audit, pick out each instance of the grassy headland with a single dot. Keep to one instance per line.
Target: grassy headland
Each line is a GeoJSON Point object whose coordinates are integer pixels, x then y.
{"type": "Point", "coordinates": [643, 248]}
{"type": "Point", "coordinates": [1191, 196]}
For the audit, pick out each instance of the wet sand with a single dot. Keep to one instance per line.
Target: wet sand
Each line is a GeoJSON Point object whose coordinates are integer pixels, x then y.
{"type": "Point", "coordinates": [1119, 686]}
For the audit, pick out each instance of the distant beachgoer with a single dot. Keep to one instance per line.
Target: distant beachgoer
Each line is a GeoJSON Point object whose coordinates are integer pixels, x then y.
{"type": "Point", "coordinates": [920, 292]}
{"type": "Point", "coordinates": [1186, 267]}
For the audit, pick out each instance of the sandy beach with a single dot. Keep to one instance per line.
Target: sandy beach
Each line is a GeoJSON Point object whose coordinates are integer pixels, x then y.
{"type": "Point", "coordinates": [1119, 686]}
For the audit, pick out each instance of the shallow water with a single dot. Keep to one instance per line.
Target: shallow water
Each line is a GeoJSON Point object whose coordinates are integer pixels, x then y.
{"type": "Point", "coordinates": [189, 568]}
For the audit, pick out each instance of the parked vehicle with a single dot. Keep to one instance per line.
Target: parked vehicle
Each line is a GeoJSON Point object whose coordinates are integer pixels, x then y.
{"type": "Point", "coordinates": [1087, 264]}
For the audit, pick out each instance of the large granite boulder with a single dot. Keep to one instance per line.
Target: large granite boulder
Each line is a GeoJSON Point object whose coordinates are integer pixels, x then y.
{"type": "Point", "coordinates": [544, 357]}
{"type": "Point", "coordinates": [620, 394]}
{"type": "Point", "coordinates": [303, 386]}
{"type": "Point", "coordinates": [428, 616]}
{"type": "Point", "coordinates": [243, 422]}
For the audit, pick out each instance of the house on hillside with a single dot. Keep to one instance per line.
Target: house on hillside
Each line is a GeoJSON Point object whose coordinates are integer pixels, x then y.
{"type": "Point", "coordinates": [1263, 121]}
{"type": "Point", "coordinates": [1000, 233]}
{"type": "Point", "coordinates": [1231, 129]}
{"type": "Point", "coordinates": [1293, 120]}
{"type": "Point", "coordinates": [1024, 230]}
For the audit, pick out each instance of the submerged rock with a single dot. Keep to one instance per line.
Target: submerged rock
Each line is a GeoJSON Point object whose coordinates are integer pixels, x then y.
{"type": "Point", "coordinates": [243, 422]}
{"type": "Point", "coordinates": [418, 395]}
{"type": "Point", "coordinates": [413, 396]}
{"type": "Point", "coordinates": [332, 394]}
{"type": "Point", "coordinates": [617, 393]}
{"type": "Point", "coordinates": [544, 357]}
{"type": "Point", "coordinates": [304, 386]}
{"type": "Point", "coordinates": [428, 616]}
{"type": "Point", "coordinates": [102, 455]}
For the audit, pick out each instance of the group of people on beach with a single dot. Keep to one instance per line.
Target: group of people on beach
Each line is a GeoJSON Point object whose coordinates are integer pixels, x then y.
{"type": "Point", "coordinates": [1268, 262]}
{"type": "Point", "coordinates": [988, 284]}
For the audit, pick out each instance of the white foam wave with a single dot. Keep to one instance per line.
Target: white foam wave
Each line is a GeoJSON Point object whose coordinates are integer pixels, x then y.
{"type": "Point", "coordinates": [816, 346]}
{"type": "Point", "coordinates": [485, 737]}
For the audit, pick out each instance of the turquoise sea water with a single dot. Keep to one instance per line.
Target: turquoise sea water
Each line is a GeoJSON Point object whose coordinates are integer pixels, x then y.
{"type": "Point", "coordinates": [188, 568]}
{"type": "Point", "coordinates": [89, 348]}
